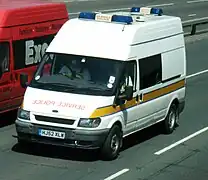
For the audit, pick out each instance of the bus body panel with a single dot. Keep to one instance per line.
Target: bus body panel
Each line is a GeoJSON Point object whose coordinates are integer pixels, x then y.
{"type": "Point", "coordinates": [26, 30]}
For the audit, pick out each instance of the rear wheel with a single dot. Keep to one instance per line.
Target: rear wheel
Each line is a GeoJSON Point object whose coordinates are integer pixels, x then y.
{"type": "Point", "coordinates": [171, 119]}
{"type": "Point", "coordinates": [112, 144]}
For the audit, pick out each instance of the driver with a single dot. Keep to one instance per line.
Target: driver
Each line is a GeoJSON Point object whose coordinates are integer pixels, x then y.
{"type": "Point", "coordinates": [125, 81]}
{"type": "Point", "coordinates": [75, 69]}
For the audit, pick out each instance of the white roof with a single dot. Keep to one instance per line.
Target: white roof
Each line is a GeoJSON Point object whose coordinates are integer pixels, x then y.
{"type": "Point", "coordinates": [111, 40]}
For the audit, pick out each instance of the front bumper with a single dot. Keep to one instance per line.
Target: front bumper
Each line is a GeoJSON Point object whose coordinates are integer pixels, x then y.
{"type": "Point", "coordinates": [84, 139]}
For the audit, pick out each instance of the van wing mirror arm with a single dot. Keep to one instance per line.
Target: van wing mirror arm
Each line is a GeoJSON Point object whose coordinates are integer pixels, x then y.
{"type": "Point", "coordinates": [24, 80]}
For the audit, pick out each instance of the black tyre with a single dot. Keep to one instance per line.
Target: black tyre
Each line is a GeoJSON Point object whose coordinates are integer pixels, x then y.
{"type": "Point", "coordinates": [171, 119]}
{"type": "Point", "coordinates": [112, 144]}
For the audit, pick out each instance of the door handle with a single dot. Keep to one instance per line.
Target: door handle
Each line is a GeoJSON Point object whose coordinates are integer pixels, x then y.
{"type": "Point", "coordinates": [137, 98]}
{"type": "Point", "coordinates": [141, 97]}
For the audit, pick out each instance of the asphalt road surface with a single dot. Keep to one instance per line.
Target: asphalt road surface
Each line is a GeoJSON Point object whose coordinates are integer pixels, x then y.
{"type": "Point", "coordinates": [147, 155]}
{"type": "Point", "coordinates": [141, 158]}
{"type": "Point", "coordinates": [185, 9]}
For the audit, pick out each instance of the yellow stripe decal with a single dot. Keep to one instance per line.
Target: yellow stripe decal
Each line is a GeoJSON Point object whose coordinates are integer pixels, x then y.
{"type": "Point", "coordinates": [107, 110]}
{"type": "Point", "coordinates": [104, 111]}
{"type": "Point", "coordinates": [162, 91]}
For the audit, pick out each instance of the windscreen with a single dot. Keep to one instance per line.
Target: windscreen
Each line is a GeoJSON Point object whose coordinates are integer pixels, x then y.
{"type": "Point", "coordinates": [77, 74]}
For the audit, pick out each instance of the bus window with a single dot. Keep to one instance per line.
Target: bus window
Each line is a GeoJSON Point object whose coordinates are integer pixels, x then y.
{"type": "Point", "coordinates": [4, 57]}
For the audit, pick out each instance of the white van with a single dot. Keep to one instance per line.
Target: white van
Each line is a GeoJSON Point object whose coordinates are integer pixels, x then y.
{"type": "Point", "coordinates": [104, 77]}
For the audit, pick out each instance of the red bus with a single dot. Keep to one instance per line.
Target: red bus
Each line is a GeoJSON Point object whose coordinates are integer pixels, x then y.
{"type": "Point", "coordinates": [26, 29]}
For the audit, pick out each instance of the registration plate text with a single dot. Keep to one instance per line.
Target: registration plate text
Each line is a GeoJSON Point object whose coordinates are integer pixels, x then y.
{"type": "Point", "coordinates": [49, 133]}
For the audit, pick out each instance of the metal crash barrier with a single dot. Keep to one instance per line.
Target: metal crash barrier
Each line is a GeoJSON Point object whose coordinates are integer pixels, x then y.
{"type": "Point", "coordinates": [193, 24]}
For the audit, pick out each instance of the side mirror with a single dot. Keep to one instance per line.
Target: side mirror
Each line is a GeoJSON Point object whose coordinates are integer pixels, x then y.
{"type": "Point", "coordinates": [23, 80]}
{"type": "Point", "coordinates": [128, 94]}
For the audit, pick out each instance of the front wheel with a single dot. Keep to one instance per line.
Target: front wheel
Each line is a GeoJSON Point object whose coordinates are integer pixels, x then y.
{"type": "Point", "coordinates": [112, 144]}
{"type": "Point", "coordinates": [171, 120]}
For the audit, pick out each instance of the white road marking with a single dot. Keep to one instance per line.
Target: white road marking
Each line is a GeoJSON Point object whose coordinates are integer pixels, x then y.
{"type": "Point", "coordinates": [196, 1]}
{"type": "Point", "coordinates": [191, 15]}
{"type": "Point", "coordinates": [181, 141]}
{"type": "Point", "coordinates": [196, 74]}
{"type": "Point", "coordinates": [161, 5]}
{"type": "Point", "coordinates": [123, 9]}
{"type": "Point", "coordinates": [119, 173]}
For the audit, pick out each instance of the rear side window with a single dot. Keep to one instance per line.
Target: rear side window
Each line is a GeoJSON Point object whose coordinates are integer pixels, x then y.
{"type": "Point", "coordinates": [150, 69]}
{"type": "Point", "coordinates": [28, 52]}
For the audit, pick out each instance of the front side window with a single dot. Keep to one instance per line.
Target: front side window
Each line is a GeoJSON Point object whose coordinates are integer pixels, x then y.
{"type": "Point", "coordinates": [78, 74]}
{"type": "Point", "coordinates": [129, 77]}
{"type": "Point", "coordinates": [4, 57]}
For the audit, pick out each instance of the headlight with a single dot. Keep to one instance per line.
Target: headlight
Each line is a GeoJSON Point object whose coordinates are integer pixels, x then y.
{"type": "Point", "coordinates": [89, 123]}
{"type": "Point", "coordinates": [23, 114]}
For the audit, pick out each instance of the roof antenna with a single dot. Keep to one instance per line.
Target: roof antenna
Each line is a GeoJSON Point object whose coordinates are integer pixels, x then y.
{"type": "Point", "coordinates": [123, 28]}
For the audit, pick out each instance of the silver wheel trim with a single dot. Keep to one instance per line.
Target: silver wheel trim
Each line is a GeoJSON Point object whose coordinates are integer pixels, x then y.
{"type": "Point", "coordinates": [171, 119]}
{"type": "Point", "coordinates": [115, 143]}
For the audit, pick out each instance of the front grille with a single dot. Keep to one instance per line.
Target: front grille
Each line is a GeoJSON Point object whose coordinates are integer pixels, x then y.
{"type": "Point", "coordinates": [54, 120]}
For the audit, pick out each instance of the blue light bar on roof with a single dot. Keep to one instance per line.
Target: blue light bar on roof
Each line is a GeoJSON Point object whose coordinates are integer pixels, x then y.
{"type": "Point", "coordinates": [135, 9]}
{"type": "Point", "coordinates": [122, 19]}
{"type": "Point", "coordinates": [87, 15]}
{"type": "Point", "coordinates": [157, 11]}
